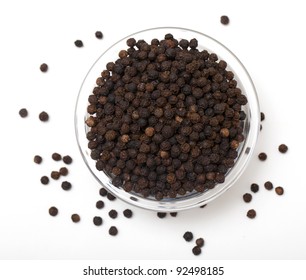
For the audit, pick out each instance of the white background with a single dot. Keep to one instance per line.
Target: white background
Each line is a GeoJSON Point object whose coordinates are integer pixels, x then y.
{"type": "Point", "coordinates": [267, 38]}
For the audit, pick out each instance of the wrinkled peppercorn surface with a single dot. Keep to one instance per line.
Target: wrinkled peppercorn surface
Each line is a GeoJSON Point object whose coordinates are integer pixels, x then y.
{"type": "Point", "coordinates": [165, 118]}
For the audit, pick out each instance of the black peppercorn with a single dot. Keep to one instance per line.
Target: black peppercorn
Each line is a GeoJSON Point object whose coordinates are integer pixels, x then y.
{"type": "Point", "coordinates": [251, 214]}
{"type": "Point", "coordinates": [268, 185]}
{"type": "Point", "coordinates": [188, 236]}
{"type": "Point", "coordinates": [37, 159]}
{"type": "Point", "coordinates": [113, 231]}
{"type": "Point", "coordinates": [127, 213]}
{"type": "Point", "coordinates": [254, 188]}
{"type": "Point", "coordinates": [53, 211]}
{"type": "Point", "coordinates": [75, 218]}
{"type": "Point", "coordinates": [99, 35]}
{"type": "Point", "coordinates": [224, 20]}
{"type": "Point", "coordinates": [56, 156]}
{"type": "Point", "coordinates": [43, 116]}
{"type": "Point", "coordinates": [78, 43]}
{"type": "Point", "coordinates": [262, 156]}
{"type": "Point", "coordinates": [43, 67]}
{"type": "Point", "coordinates": [196, 250]}
{"type": "Point", "coordinates": [247, 197]}
{"type": "Point", "coordinates": [67, 159]}
{"type": "Point", "coordinates": [66, 185]}
{"type": "Point", "coordinates": [97, 221]}
{"type": "Point", "coordinates": [283, 148]}
{"type": "Point", "coordinates": [279, 190]}
{"type": "Point", "coordinates": [23, 112]}
{"type": "Point", "coordinates": [44, 180]}
{"type": "Point", "coordinates": [113, 214]}
{"type": "Point", "coordinates": [100, 204]}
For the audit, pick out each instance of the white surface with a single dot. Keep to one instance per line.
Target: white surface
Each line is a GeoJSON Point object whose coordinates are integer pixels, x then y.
{"type": "Point", "coordinates": [268, 41]}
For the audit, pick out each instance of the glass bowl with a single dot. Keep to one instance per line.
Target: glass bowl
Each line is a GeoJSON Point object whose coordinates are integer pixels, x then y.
{"type": "Point", "coordinates": [245, 150]}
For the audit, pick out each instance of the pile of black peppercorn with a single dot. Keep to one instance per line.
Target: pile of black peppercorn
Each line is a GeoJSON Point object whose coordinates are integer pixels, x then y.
{"type": "Point", "coordinates": [165, 119]}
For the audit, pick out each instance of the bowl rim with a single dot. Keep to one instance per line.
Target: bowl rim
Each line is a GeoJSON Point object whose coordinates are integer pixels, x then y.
{"type": "Point", "coordinates": [246, 149]}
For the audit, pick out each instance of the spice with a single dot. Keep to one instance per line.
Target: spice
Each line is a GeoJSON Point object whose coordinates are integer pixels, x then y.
{"type": "Point", "coordinates": [196, 250]}
{"type": "Point", "coordinates": [100, 204]}
{"type": "Point", "coordinates": [53, 211]}
{"type": "Point", "coordinates": [55, 175]}
{"type": "Point", "coordinates": [67, 159]}
{"type": "Point", "coordinates": [23, 112]}
{"type": "Point", "coordinates": [159, 106]}
{"type": "Point", "coordinates": [99, 35]}
{"type": "Point", "coordinates": [254, 188]}
{"type": "Point", "coordinates": [262, 116]}
{"type": "Point", "coordinates": [63, 171]}
{"type": "Point", "coordinates": [161, 215]}
{"type": "Point", "coordinates": [224, 20]}
{"type": "Point", "coordinates": [103, 192]}
{"type": "Point", "coordinates": [128, 213]}
{"type": "Point", "coordinates": [200, 242]}
{"type": "Point", "coordinates": [97, 221]}
{"type": "Point", "coordinates": [110, 196]}
{"type": "Point", "coordinates": [75, 218]}
{"type": "Point", "coordinates": [188, 236]}
{"type": "Point", "coordinates": [37, 159]}
{"type": "Point", "coordinates": [247, 197]}
{"type": "Point", "coordinates": [113, 231]}
{"type": "Point", "coordinates": [283, 148]}
{"type": "Point", "coordinates": [173, 214]}
{"type": "Point", "coordinates": [44, 180]}
{"type": "Point", "coordinates": [113, 214]}
{"type": "Point", "coordinates": [43, 116]}
{"type": "Point", "coordinates": [66, 186]}
{"type": "Point", "coordinates": [262, 156]}
{"type": "Point", "coordinates": [251, 214]}
{"type": "Point", "coordinates": [279, 190]}
{"type": "Point", "coordinates": [43, 67]}
{"type": "Point", "coordinates": [268, 185]}
{"type": "Point", "coordinates": [56, 156]}
{"type": "Point", "coordinates": [78, 43]}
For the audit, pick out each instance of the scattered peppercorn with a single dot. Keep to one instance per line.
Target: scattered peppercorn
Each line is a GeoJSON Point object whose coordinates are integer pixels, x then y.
{"type": "Point", "coordinates": [161, 215]}
{"type": "Point", "coordinates": [43, 116]}
{"type": "Point", "coordinates": [97, 221]}
{"type": "Point", "coordinates": [100, 204]}
{"type": "Point", "coordinates": [279, 190]}
{"type": "Point", "coordinates": [37, 159]}
{"type": "Point", "coordinates": [75, 218]}
{"type": "Point", "coordinates": [247, 197]}
{"type": "Point", "coordinates": [196, 250]}
{"type": "Point", "coordinates": [262, 116]}
{"type": "Point", "coordinates": [203, 206]}
{"type": "Point", "coordinates": [283, 148]}
{"type": "Point", "coordinates": [254, 188]}
{"type": "Point", "coordinates": [43, 67]}
{"type": "Point", "coordinates": [188, 236]}
{"type": "Point", "coordinates": [262, 156]}
{"type": "Point", "coordinates": [110, 196]}
{"type": "Point", "coordinates": [55, 175]}
{"type": "Point", "coordinates": [200, 242]}
{"type": "Point", "coordinates": [99, 35]}
{"type": "Point", "coordinates": [53, 211]}
{"type": "Point", "coordinates": [78, 43]}
{"type": "Point", "coordinates": [268, 185]}
{"type": "Point", "coordinates": [173, 214]}
{"type": "Point", "coordinates": [66, 185]}
{"type": "Point", "coordinates": [56, 156]}
{"type": "Point", "coordinates": [63, 171]}
{"type": "Point", "coordinates": [128, 213]}
{"type": "Point", "coordinates": [113, 231]}
{"type": "Point", "coordinates": [103, 192]}
{"type": "Point", "coordinates": [251, 214]}
{"type": "Point", "coordinates": [224, 20]}
{"type": "Point", "coordinates": [67, 159]}
{"type": "Point", "coordinates": [113, 214]}
{"type": "Point", "coordinates": [44, 180]}
{"type": "Point", "coordinates": [23, 112]}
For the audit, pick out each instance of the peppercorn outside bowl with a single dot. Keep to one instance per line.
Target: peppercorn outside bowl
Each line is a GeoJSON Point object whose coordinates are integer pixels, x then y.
{"type": "Point", "coordinates": [250, 127]}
